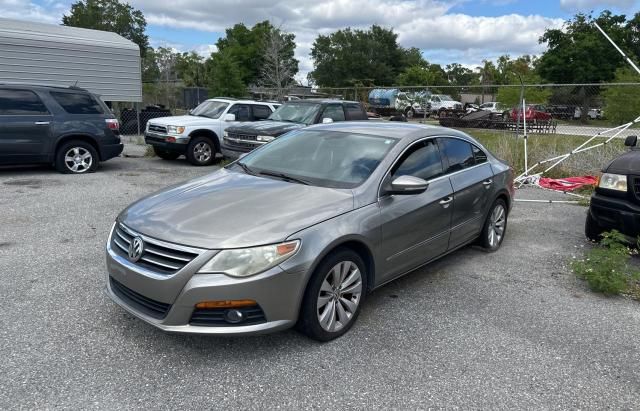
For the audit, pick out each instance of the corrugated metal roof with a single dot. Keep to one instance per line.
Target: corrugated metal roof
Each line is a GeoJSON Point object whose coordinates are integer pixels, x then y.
{"type": "Point", "coordinates": [72, 35]}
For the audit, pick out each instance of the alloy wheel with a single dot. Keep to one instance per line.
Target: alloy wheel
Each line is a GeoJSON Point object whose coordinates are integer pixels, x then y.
{"type": "Point", "coordinates": [497, 225]}
{"type": "Point", "coordinates": [202, 152]}
{"type": "Point", "coordinates": [339, 296]}
{"type": "Point", "coordinates": [78, 159]}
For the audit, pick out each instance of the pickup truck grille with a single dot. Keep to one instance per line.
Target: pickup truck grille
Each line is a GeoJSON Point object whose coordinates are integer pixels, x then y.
{"type": "Point", "coordinates": [457, 106]}
{"type": "Point", "coordinates": [157, 256]}
{"type": "Point", "coordinates": [157, 129]}
{"type": "Point", "coordinates": [242, 136]}
{"type": "Point", "coordinates": [635, 183]}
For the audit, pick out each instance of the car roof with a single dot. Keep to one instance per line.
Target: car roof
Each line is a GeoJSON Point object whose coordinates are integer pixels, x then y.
{"type": "Point", "coordinates": [235, 100]}
{"type": "Point", "coordinates": [36, 86]}
{"type": "Point", "coordinates": [321, 101]}
{"type": "Point", "coordinates": [390, 129]}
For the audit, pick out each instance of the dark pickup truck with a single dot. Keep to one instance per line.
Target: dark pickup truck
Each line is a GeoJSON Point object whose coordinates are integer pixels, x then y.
{"type": "Point", "coordinates": [292, 115]}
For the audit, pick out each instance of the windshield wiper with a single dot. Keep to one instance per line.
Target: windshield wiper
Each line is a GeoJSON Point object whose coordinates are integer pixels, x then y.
{"type": "Point", "coordinates": [285, 177]}
{"type": "Point", "coordinates": [246, 168]}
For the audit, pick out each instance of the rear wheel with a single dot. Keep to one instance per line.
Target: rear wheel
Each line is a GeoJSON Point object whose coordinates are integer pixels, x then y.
{"type": "Point", "coordinates": [76, 157]}
{"type": "Point", "coordinates": [166, 154]}
{"type": "Point", "coordinates": [495, 227]}
{"type": "Point", "coordinates": [334, 295]}
{"type": "Point", "coordinates": [409, 113]}
{"type": "Point", "coordinates": [201, 151]}
{"type": "Point", "coordinates": [592, 229]}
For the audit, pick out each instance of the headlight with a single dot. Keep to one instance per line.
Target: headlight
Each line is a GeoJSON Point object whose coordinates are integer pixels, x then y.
{"type": "Point", "coordinates": [175, 129]}
{"type": "Point", "coordinates": [225, 134]}
{"type": "Point", "coordinates": [249, 261]}
{"type": "Point", "coordinates": [265, 138]}
{"type": "Point", "coordinates": [613, 182]}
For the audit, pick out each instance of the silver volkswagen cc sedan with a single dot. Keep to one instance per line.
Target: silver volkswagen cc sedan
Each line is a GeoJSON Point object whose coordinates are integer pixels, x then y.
{"type": "Point", "coordinates": [297, 232]}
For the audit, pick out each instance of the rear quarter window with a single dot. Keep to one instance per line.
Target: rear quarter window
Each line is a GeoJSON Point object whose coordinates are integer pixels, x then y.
{"type": "Point", "coordinates": [458, 153]}
{"type": "Point", "coordinates": [77, 103]}
{"type": "Point", "coordinates": [354, 112]}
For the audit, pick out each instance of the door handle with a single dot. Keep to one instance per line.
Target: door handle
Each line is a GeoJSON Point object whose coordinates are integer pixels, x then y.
{"type": "Point", "coordinates": [487, 183]}
{"type": "Point", "coordinates": [446, 201]}
{"type": "Point", "coordinates": [41, 123]}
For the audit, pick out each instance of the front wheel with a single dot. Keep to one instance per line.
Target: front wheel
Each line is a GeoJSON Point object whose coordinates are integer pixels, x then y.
{"type": "Point", "coordinates": [333, 297]}
{"type": "Point", "coordinates": [495, 227]}
{"type": "Point", "coordinates": [201, 151]}
{"type": "Point", "coordinates": [409, 113]}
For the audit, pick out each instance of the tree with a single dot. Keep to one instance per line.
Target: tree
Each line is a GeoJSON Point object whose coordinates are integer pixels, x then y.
{"type": "Point", "coordinates": [511, 95]}
{"type": "Point", "coordinates": [190, 69]}
{"type": "Point", "coordinates": [622, 104]}
{"type": "Point", "coordinates": [461, 76]}
{"type": "Point", "coordinates": [224, 76]}
{"type": "Point", "coordinates": [431, 75]}
{"type": "Point", "coordinates": [278, 65]}
{"type": "Point", "coordinates": [110, 15]}
{"type": "Point", "coordinates": [150, 70]}
{"type": "Point", "coordinates": [348, 56]}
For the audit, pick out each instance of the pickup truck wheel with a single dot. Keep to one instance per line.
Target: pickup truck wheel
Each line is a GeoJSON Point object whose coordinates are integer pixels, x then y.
{"type": "Point", "coordinates": [76, 157]}
{"type": "Point", "coordinates": [201, 151]}
{"type": "Point", "coordinates": [166, 154]}
{"type": "Point", "coordinates": [409, 113]}
{"type": "Point", "coordinates": [442, 113]}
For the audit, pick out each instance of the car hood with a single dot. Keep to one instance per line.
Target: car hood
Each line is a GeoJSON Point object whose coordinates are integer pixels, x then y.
{"type": "Point", "coordinates": [628, 163]}
{"type": "Point", "coordinates": [185, 121]}
{"type": "Point", "coordinates": [266, 127]}
{"type": "Point", "coordinates": [229, 209]}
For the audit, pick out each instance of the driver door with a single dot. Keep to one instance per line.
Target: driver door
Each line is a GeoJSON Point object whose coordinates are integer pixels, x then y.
{"type": "Point", "coordinates": [416, 228]}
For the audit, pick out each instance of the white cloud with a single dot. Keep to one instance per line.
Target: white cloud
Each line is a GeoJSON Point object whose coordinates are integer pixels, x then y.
{"type": "Point", "coordinates": [585, 5]}
{"type": "Point", "coordinates": [27, 10]}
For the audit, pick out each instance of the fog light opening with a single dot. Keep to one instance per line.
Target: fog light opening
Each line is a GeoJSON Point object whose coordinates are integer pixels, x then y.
{"type": "Point", "coordinates": [233, 316]}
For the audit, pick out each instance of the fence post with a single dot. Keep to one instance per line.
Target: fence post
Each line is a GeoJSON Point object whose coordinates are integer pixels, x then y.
{"type": "Point", "coordinates": [138, 116]}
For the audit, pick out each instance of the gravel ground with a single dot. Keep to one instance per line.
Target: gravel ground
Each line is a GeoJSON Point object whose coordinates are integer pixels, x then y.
{"type": "Point", "coordinates": [513, 329]}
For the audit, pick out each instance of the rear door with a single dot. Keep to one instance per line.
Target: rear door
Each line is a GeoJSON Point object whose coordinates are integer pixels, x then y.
{"type": "Point", "coordinates": [472, 179]}
{"type": "Point", "coordinates": [25, 126]}
{"type": "Point", "coordinates": [260, 112]}
{"type": "Point", "coordinates": [334, 112]}
{"type": "Point", "coordinates": [415, 228]}
{"type": "Point", "coordinates": [354, 111]}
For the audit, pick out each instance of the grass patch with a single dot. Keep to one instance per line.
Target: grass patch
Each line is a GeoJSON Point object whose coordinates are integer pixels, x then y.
{"type": "Point", "coordinates": [540, 147]}
{"type": "Point", "coordinates": [608, 268]}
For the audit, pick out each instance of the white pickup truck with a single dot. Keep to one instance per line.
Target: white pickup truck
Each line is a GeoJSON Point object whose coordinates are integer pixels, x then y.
{"type": "Point", "coordinates": [443, 102]}
{"type": "Point", "coordinates": [198, 135]}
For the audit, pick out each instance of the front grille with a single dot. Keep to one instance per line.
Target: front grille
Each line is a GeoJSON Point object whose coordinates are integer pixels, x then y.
{"type": "Point", "coordinates": [157, 129]}
{"type": "Point", "coordinates": [214, 317]}
{"type": "Point", "coordinates": [457, 106]}
{"type": "Point", "coordinates": [246, 146]}
{"type": "Point", "coordinates": [242, 136]}
{"type": "Point", "coordinates": [635, 181]}
{"type": "Point", "coordinates": [157, 256]}
{"type": "Point", "coordinates": [150, 307]}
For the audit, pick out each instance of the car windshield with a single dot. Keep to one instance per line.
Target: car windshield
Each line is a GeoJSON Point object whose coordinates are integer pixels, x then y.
{"type": "Point", "coordinates": [319, 157]}
{"type": "Point", "coordinates": [445, 97]}
{"type": "Point", "coordinates": [304, 113]}
{"type": "Point", "coordinates": [210, 109]}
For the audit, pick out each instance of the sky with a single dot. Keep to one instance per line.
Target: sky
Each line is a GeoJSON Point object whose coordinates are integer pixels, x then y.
{"type": "Point", "coordinates": [447, 31]}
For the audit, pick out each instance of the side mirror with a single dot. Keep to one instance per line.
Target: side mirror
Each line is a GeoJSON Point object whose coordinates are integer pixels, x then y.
{"type": "Point", "coordinates": [327, 120]}
{"type": "Point", "coordinates": [230, 117]}
{"type": "Point", "coordinates": [405, 185]}
{"type": "Point", "coordinates": [631, 141]}
{"type": "Point", "coordinates": [191, 112]}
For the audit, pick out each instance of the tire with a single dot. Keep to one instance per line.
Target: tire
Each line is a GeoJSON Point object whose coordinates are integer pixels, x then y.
{"type": "Point", "coordinates": [592, 229]}
{"type": "Point", "coordinates": [76, 157]}
{"type": "Point", "coordinates": [166, 154]}
{"type": "Point", "coordinates": [340, 309]}
{"type": "Point", "coordinates": [201, 151]}
{"type": "Point", "coordinates": [409, 113]}
{"type": "Point", "coordinates": [442, 113]}
{"type": "Point", "coordinates": [495, 227]}
{"type": "Point", "coordinates": [505, 116]}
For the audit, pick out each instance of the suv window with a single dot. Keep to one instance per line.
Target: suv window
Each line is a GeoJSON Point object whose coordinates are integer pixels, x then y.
{"type": "Point", "coordinates": [260, 112]}
{"type": "Point", "coordinates": [353, 111]}
{"type": "Point", "coordinates": [334, 112]}
{"type": "Point", "coordinates": [458, 153]}
{"type": "Point", "coordinates": [77, 103]}
{"type": "Point", "coordinates": [421, 160]}
{"type": "Point", "coordinates": [21, 103]}
{"type": "Point", "coordinates": [479, 155]}
{"type": "Point", "coordinates": [241, 111]}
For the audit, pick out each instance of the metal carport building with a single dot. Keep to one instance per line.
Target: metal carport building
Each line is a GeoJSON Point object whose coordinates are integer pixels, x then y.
{"type": "Point", "coordinates": [102, 62]}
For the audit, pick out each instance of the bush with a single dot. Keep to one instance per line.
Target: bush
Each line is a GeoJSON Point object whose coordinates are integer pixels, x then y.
{"type": "Point", "coordinates": [607, 268]}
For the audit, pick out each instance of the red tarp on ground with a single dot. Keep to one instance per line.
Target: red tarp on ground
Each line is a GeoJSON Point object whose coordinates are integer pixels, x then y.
{"type": "Point", "coordinates": [567, 184]}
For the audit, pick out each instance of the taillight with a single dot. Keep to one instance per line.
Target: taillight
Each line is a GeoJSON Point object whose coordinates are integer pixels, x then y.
{"type": "Point", "coordinates": [112, 123]}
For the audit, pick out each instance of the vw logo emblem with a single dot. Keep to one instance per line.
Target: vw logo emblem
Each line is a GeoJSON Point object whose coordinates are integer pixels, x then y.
{"type": "Point", "coordinates": [136, 248]}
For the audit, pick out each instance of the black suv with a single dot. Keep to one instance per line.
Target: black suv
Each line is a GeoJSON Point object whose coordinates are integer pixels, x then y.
{"type": "Point", "coordinates": [290, 116]}
{"type": "Point", "coordinates": [64, 126]}
{"type": "Point", "coordinates": [616, 201]}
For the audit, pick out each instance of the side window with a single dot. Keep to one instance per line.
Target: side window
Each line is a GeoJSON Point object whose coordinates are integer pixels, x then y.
{"type": "Point", "coordinates": [77, 103]}
{"type": "Point", "coordinates": [353, 111]}
{"type": "Point", "coordinates": [241, 111]}
{"type": "Point", "coordinates": [334, 112]}
{"type": "Point", "coordinates": [479, 155]}
{"type": "Point", "coordinates": [21, 103]}
{"type": "Point", "coordinates": [436, 99]}
{"type": "Point", "coordinates": [421, 160]}
{"type": "Point", "coordinates": [458, 153]}
{"type": "Point", "coordinates": [260, 112]}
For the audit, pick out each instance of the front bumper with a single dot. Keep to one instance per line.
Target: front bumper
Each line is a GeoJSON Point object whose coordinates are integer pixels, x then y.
{"type": "Point", "coordinates": [277, 292]}
{"type": "Point", "coordinates": [179, 146]}
{"type": "Point", "coordinates": [616, 213]}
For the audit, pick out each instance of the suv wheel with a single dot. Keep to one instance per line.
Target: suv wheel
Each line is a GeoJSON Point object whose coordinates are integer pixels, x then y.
{"type": "Point", "coordinates": [76, 157]}
{"type": "Point", "coordinates": [201, 151]}
{"type": "Point", "coordinates": [166, 154]}
{"type": "Point", "coordinates": [495, 227]}
{"type": "Point", "coordinates": [409, 113]}
{"type": "Point", "coordinates": [334, 295]}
